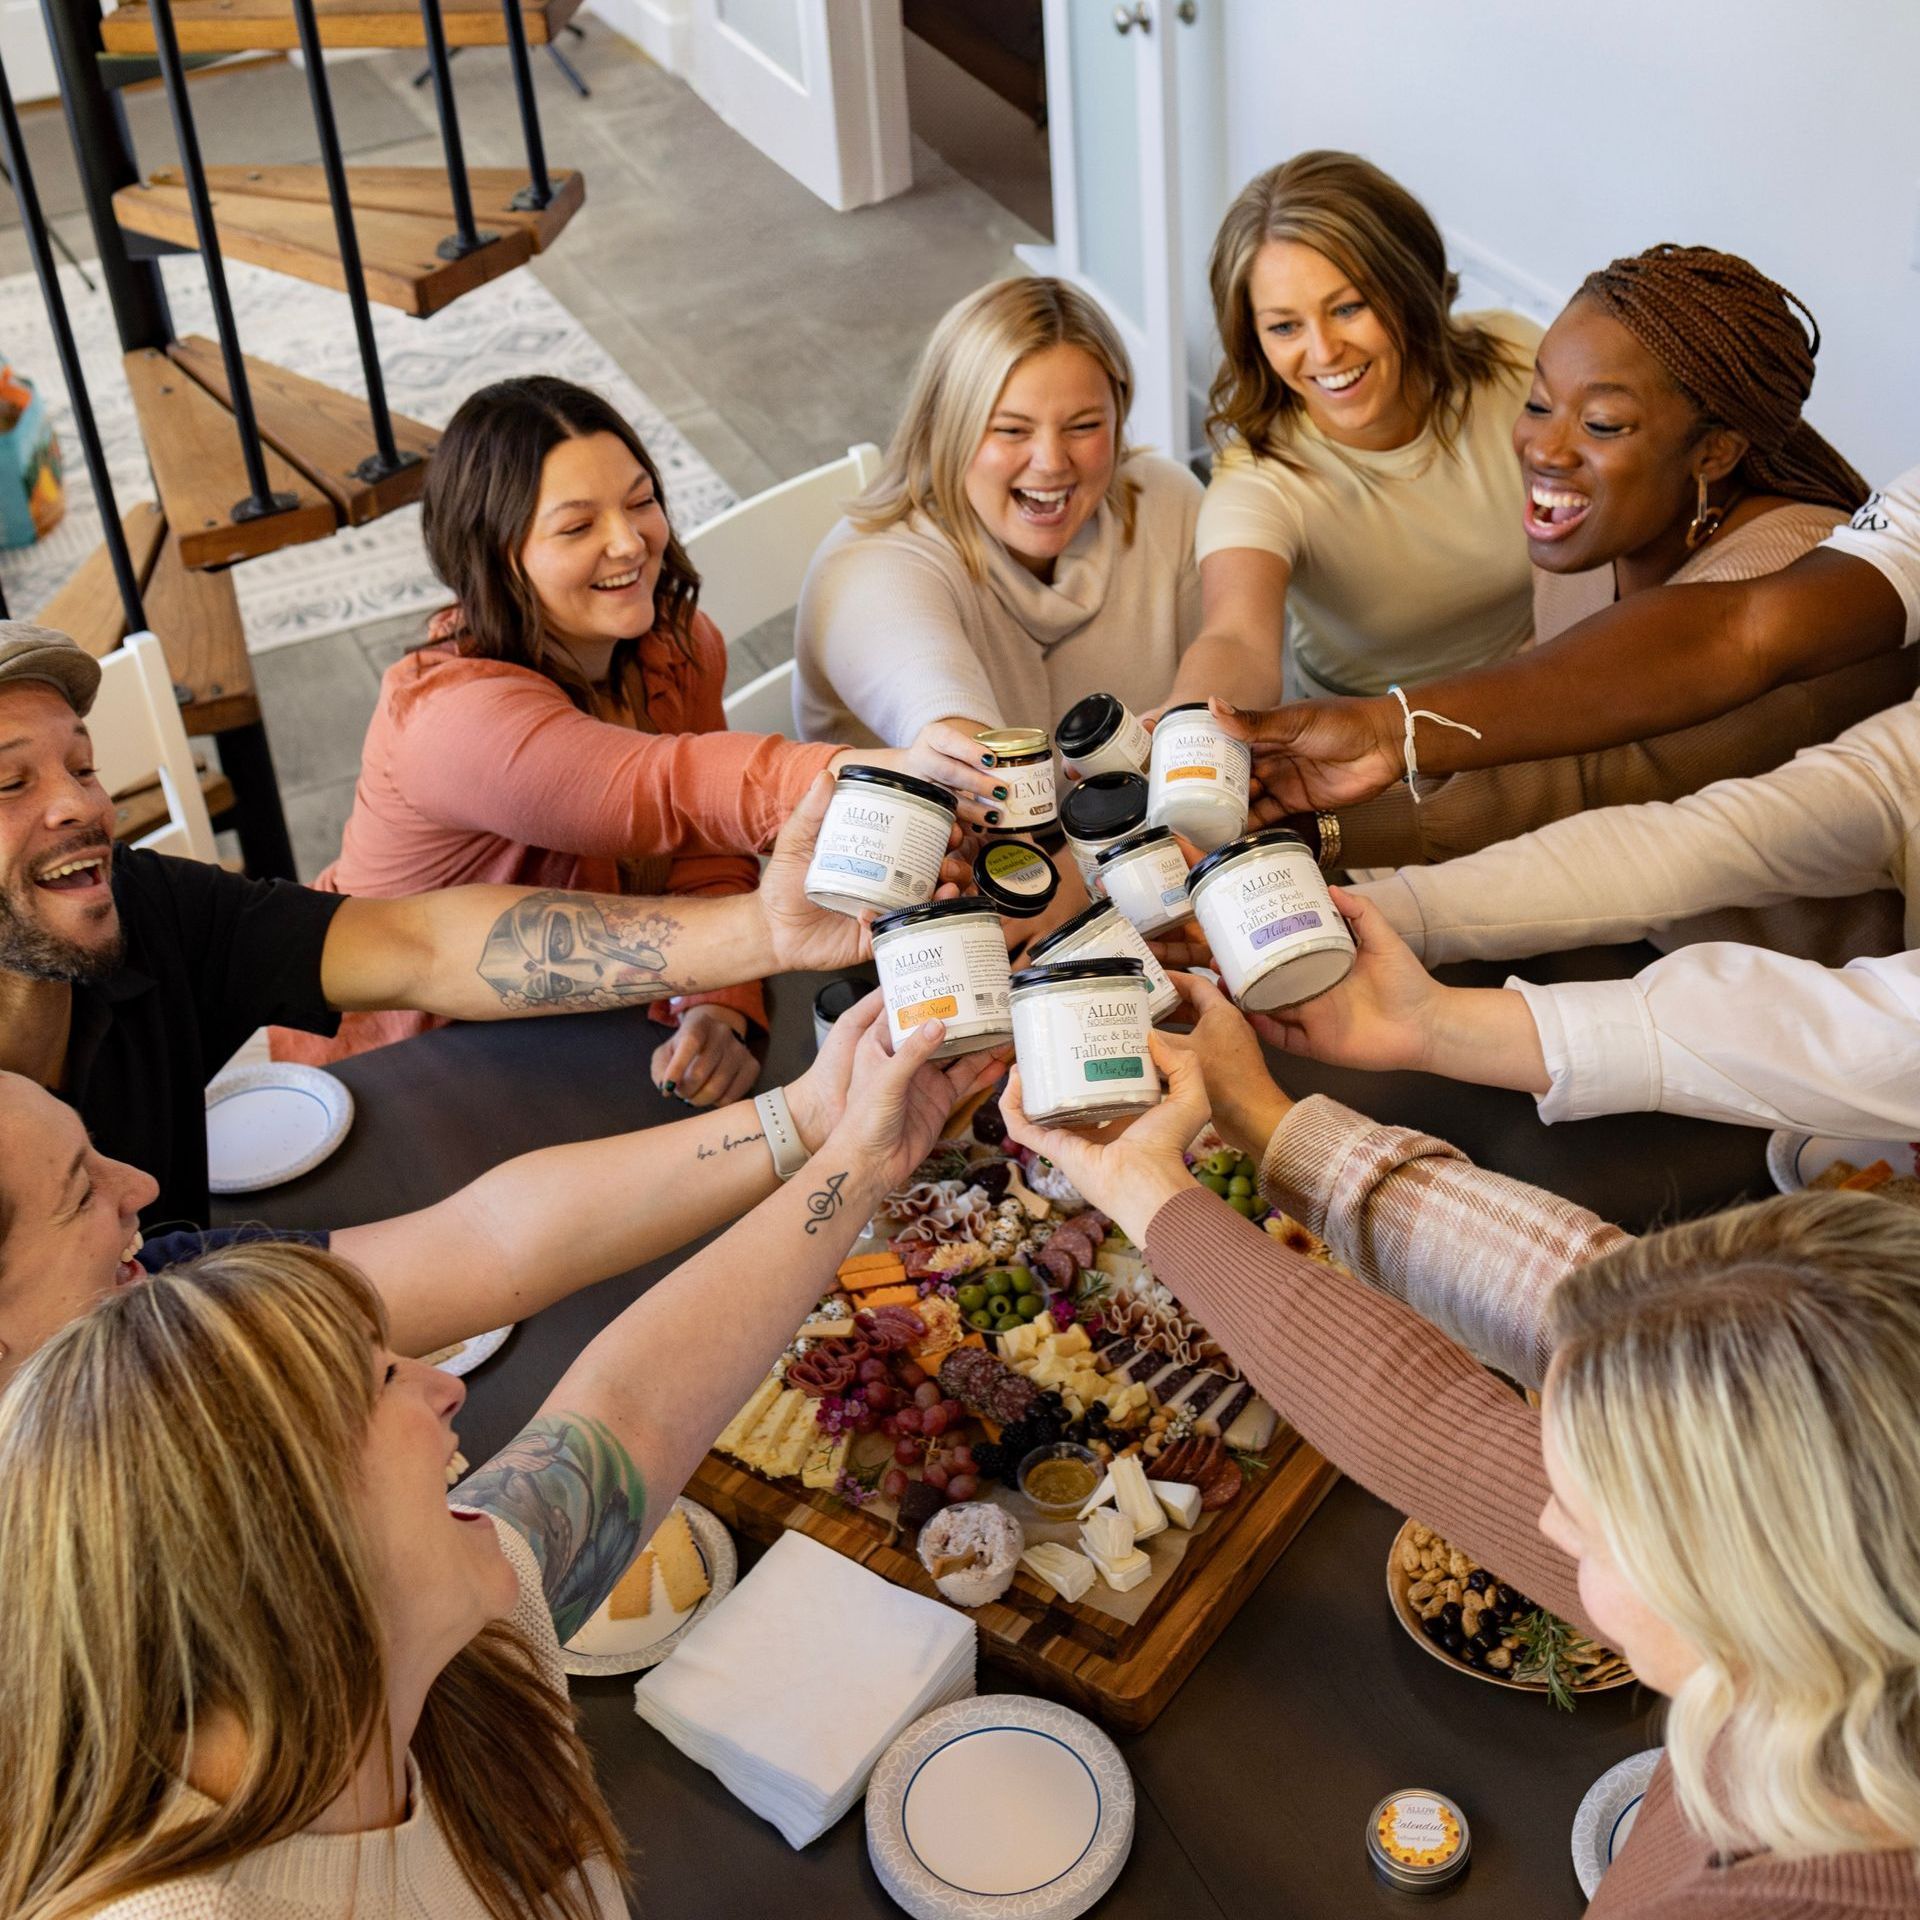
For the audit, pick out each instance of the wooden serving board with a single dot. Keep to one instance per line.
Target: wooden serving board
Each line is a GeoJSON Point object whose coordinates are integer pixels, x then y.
{"type": "Point", "coordinates": [1124, 1674]}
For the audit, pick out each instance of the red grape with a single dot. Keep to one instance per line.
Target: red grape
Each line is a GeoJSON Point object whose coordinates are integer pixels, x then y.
{"type": "Point", "coordinates": [935, 1475]}
{"type": "Point", "coordinates": [962, 1486]}
{"type": "Point", "coordinates": [955, 1412]}
{"type": "Point", "coordinates": [934, 1420]}
{"type": "Point", "coordinates": [893, 1483]}
{"type": "Point", "coordinates": [906, 1451]}
{"type": "Point", "coordinates": [926, 1394]}
{"type": "Point", "coordinates": [879, 1395]}
{"type": "Point", "coordinates": [873, 1368]}
{"type": "Point", "coordinates": [890, 1425]}
{"type": "Point", "coordinates": [909, 1374]}
{"type": "Point", "coordinates": [907, 1420]}
{"type": "Point", "coordinates": [960, 1458]}
{"type": "Point", "coordinates": [865, 1420]}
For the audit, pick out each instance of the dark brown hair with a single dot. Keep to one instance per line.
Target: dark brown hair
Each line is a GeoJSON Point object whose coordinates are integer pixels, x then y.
{"type": "Point", "coordinates": [483, 484]}
{"type": "Point", "coordinates": [1386, 243]}
{"type": "Point", "coordinates": [1731, 341]}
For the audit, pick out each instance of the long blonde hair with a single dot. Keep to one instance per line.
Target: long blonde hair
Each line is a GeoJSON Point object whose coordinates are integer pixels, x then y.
{"type": "Point", "coordinates": [967, 362]}
{"type": "Point", "coordinates": [179, 1523]}
{"type": "Point", "coordinates": [1739, 1401]}
{"type": "Point", "coordinates": [1386, 243]}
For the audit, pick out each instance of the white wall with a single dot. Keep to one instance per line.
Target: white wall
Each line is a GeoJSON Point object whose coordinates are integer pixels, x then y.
{"type": "Point", "coordinates": [1553, 138]}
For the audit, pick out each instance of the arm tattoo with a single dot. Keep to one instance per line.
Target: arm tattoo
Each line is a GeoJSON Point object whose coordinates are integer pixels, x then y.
{"type": "Point", "coordinates": [554, 952]}
{"type": "Point", "coordinates": [569, 1488]}
{"type": "Point", "coordinates": [823, 1205]}
{"type": "Point", "coordinates": [728, 1141]}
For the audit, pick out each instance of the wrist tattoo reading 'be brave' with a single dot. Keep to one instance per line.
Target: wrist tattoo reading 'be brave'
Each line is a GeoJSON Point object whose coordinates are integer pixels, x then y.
{"type": "Point", "coordinates": [554, 952]}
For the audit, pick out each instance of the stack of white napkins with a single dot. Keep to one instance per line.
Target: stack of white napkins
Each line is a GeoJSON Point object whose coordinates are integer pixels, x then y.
{"type": "Point", "coordinates": [792, 1688]}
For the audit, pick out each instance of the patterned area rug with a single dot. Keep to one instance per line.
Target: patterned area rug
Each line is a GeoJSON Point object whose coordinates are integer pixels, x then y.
{"type": "Point", "coordinates": [363, 574]}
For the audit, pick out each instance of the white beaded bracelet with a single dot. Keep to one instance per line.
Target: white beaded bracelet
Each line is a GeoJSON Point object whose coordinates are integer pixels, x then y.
{"type": "Point", "coordinates": [1422, 713]}
{"type": "Point", "coordinates": [783, 1137]}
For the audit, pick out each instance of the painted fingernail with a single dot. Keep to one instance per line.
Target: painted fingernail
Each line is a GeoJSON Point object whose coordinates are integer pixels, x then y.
{"type": "Point", "coordinates": [999, 793]}
{"type": "Point", "coordinates": [986, 759]}
{"type": "Point", "coordinates": [993, 817]}
{"type": "Point", "coordinates": [667, 1087]}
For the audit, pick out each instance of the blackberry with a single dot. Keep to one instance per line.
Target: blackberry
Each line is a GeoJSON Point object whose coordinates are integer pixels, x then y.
{"type": "Point", "coordinates": [988, 1127]}
{"type": "Point", "coordinates": [990, 1461]}
{"type": "Point", "coordinates": [991, 1177]}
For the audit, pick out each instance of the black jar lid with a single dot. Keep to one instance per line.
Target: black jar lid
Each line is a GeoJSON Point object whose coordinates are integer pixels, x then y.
{"type": "Point", "coordinates": [1131, 844]}
{"type": "Point", "coordinates": [1016, 877]}
{"type": "Point", "coordinates": [1186, 706]}
{"type": "Point", "coordinates": [840, 996]}
{"type": "Point", "coordinates": [1273, 837]}
{"type": "Point", "coordinates": [1049, 942]}
{"type": "Point", "coordinates": [1104, 805]}
{"type": "Point", "coordinates": [900, 783]}
{"type": "Point", "coordinates": [1079, 970]}
{"type": "Point", "coordinates": [932, 911]}
{"type": "Point", "coordinates": [1088, 725]}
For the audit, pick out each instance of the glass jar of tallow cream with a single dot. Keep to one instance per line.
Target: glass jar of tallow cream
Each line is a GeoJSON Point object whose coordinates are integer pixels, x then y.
{"type": "Point", "coordinates": [1099, 735]}
{"type": "Point", "coordinates": [945, 961]}
{"type": "Point", "coordinates": [1098, 812]}
{"type": "Point", "coordinates": [1080, 1039]}
{"type": "Point", "coordinates": [1023, 761]}
{"type": "Point", "coordinates": [1103, 932]}
{"type": "Point", "coordinates": [881, 843]}
{"type": "Point", "coordinates": [1198, 781]}
{"type": "Point", "coordinates": [1145, 876]}
{"type": "Point", "coordinates": [1276, 935]}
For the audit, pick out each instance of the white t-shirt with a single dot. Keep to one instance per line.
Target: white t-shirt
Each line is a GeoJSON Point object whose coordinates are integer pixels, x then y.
{"type": "Point", "coordinates": [1886, 534]}
{"type": "Point", "coordinates": [1405, 565]}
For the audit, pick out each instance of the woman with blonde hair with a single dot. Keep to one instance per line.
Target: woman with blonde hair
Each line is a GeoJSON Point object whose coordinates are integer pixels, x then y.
{"type": "Point", "coordinates": [260, 1667]}
{"type": "Point", "coordinates": [1363, 522]}
{"type": "Point", "coordinates": [1722, 1481]}
{"type": "Point", "coordinates": [1014, 554]}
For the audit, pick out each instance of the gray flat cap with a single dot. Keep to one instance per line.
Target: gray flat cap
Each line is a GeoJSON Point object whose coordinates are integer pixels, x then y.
{"type": "Point", "coordinates": [38, 653]}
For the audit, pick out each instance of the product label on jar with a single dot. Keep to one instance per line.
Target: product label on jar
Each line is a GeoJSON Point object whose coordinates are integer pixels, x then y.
{"type": "Point", "coordinates": [957, 973]}
{"type": "Point", "coordinates": [1126, 752]}
{"type": "Point", "coordinates": [1150, 888]}
{"type": "Point", "coordinates": [893, 851]}
{"type": "Point", "coordinates": [1274, 902]}
{"type": "Point", "coordinates": [1084, 1048]}
{"type": "Point", "coordinates": [1290, 923]}
{"type": "Point", "coordinates": [1115, 937]}
{"type": "Point", "coordinates": [1418, 1831]}
{"type": "Point", "coordinates": [1030, 798]}
{"type": "Point", "coordinates": [1198, 750]}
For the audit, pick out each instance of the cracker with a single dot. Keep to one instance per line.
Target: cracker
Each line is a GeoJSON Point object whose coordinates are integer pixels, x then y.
{"type": "Point", "coordinates": [632, 1599]}
{"type": "Point", "coordinates": [682, 1571]}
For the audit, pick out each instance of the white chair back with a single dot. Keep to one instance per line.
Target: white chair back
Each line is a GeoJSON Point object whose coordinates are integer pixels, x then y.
{"type": "Point", "coordinates": [753, 558]}
{"type": "Point", "coordinates": [137, 733]}
{"type": "Point", "coordinates": [764, 705]}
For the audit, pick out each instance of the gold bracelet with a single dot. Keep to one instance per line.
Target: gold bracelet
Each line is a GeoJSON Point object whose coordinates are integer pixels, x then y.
{"type": "Point", "coordinates": [1328, 825]}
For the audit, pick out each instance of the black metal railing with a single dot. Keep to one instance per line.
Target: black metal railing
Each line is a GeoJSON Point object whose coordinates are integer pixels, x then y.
{"type": "Point", "coordinates": [466, 237]}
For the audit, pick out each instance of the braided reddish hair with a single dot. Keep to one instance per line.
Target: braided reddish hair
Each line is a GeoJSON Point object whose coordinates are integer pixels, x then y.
{"type": "Point", "coordinates": [1732, 342]}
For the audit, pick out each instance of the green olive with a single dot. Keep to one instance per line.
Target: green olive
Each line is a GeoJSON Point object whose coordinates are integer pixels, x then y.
{"type": "Point", "coordinates": [1028, 1306]}
{"type": "Point", "coordinates": [1239, 1184]}
{"type": "Point", "coordinates": [1213, 1182]}
{"type": "Point", "coordinates": [971, 1298]}
{"type": "Point", "coordinates": [999, 1281]}
{"type": "Point", "coordinates": [981, 1321]}
{"type": "Point", "coordinates": [1243, 1203]}
{"type": "Point", "coordinates": [1007, 1323]}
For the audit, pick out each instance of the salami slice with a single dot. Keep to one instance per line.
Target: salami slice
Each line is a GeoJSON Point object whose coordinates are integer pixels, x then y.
{"type": "Point", "coordinates": [1072, 1241]}
{"type": "Point", "coordinates": [1057, 1263]}
{"type": "Point", "coordinates": [1220, 1487]}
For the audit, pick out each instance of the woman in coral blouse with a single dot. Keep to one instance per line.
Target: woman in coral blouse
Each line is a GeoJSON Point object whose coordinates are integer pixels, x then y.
{"type": "Point", "coordinates": [562, 725]}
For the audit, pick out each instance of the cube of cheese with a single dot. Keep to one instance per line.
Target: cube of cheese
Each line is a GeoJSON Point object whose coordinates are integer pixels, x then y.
{"type": "Point", "coordinates": [1107, 1534]}
{"type": "Point", "coordinates": [1068, 1573]}
{"type": "Point", "coordinates": [1135, 1498]}
{"type": "Point", "coordinates": [1022, 1343]}
{"type": "Point", "coordinates": [1182, 1503]}
{"type": "Point", "coordinates": [1074, 1339]}
{"type": "Point", "coordinates": [1124, 1573]}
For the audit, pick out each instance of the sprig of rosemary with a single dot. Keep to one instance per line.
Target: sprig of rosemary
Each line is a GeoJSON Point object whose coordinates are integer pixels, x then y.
{"type": "Point", "coordinates": [1545, 1654]}
{"type": "Point", "coordinates": [1248, 1461]}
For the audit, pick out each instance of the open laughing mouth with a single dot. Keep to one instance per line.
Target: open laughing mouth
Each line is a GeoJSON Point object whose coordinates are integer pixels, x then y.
{"type": "Point", "coordinates": [1340, 384]}
{"type": "Point", "coordinates": [1554, 512]}
{"type": "Point", "coordinates": [76, 872]}
{"type": "Point", "coordinates": [129, 1270]}
{"type": "Point", "coordinates": [1042, 507]}
{"type": "Point", "coordinates": [620, 582]}
{"type": "Point", "coordinates": [456, 1467]}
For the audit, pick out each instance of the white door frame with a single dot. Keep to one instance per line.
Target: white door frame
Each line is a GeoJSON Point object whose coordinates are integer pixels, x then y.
{"type": "Point", "coordinates": [1157, 341]}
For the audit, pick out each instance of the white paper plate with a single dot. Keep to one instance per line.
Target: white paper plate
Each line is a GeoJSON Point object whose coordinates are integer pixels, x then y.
{"type": "Point", "coordinates": [607, 1645]}
{"type": "Point", "coordinates": [272, 1123]}
{"type": "Point", "coordinates": [1607, 1814]}
{"type": "Point", "coordinates": [1062, 1822]}
{"type": "Point", "coordinates": [470, 1352]}
{"type": "Point", "coordinates": [1796, 1158]}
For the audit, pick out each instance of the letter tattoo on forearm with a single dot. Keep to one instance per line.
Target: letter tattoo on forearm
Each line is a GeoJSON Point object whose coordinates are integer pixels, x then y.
{"type": "Point", "coordinates": [728, 1142]}
{"type": "Point", "coordinates": [555, 952]}
{"type": "Point", "coordinates": [824, 1204]}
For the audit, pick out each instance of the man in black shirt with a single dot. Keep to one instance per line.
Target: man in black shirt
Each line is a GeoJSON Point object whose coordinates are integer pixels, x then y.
{"type": "Point", "coordinates": [127, 979]}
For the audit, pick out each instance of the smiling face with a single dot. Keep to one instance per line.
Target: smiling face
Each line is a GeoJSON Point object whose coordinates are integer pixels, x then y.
{"type": "Point", "coordinates": [1610, 449]}
{"type": "Point", "coordinates": [1657, 1651]}
{"type": "Point", "coordinates": [73, 1219]}
{"type": "Point", "coordinates": [1327, 343]}
{"type": "Point", "coordinates": [594, 551]}
{"type": "Point", "coordinates": [57, 917]}
{"type": "Point", "coordinates": [1047, 458]}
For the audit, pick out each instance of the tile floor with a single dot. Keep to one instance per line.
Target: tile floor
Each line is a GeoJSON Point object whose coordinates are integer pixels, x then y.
{"type": "Point", "coordinates": [773, 331]}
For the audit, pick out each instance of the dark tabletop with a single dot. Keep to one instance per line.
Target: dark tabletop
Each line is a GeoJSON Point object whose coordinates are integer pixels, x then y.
{"type": "Point", "coordinates": [1255, 1784]}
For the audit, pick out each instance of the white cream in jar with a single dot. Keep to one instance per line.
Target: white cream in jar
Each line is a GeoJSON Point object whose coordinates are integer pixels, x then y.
{"type": "Point", "coordinates": [1023, 764]}
{"type": "Point", "coordinates": [881, 843]}
{"type": "Point", "coordinates": [945, 961]}
{"type": "Point", "coordinates": [1099, 812]}
{"type": "Point", "coordinates": [1276, 935]}
{"type": "Point", "coordinates": [1099, 735]}
{"type": "Point", "coordinates": [1103, 932]}
{"type": "Point", "coordinates": [1198, 781]}
{"type": "Point", "coordinates": [1080, 1039]}
{"type": "Point", "coordinates": [1145, 876]}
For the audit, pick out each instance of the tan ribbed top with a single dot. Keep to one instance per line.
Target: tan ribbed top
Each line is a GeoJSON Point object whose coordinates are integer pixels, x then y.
{"type": "Point", "coordinates": [1345, 1365]}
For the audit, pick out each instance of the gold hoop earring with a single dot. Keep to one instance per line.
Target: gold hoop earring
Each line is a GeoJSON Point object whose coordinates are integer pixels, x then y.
{"type": "Point", "coordinates": [1706, 517]}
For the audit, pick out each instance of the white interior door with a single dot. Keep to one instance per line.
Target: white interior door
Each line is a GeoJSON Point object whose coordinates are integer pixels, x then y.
{"type": "Point", "coordinates": [28, 56]}
{"type": "Point", "coordinates": [820, 86]}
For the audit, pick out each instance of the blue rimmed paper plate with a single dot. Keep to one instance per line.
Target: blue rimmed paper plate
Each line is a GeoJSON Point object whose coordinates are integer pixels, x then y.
{"type": "Point", "coordinates": [273, 1122]}
{"type": "Point", "coordinates": [464, 1355]}
{"type": "Point", "coordinates": [1795, 1160]}
{"type": "Point", "coordinates": [1063, 1812]}
{"type": "Point", "coordinates": [1607, 1814]}
{"type": "Point", "coordinates": [606, 1645]}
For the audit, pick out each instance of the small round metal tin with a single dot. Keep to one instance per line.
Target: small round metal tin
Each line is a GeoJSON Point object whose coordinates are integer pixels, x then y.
{"type": "Point", "coordinates": [1145, 876]}
{"type": "Point", "coordinates": [1099, 735]}
{"type": "Point", "coordinates": [1103, 932]}
{"type": "Point", "coordinates": [881, 843]}
{"type": "Point", "coordinates": [945, 961]}
{"type": "Point", "coordinates": [1080, 1037]}
{"type": "Point", "coordinates": [1418, 1840]}
{"type": "Point", "coordinates": [1099, 812]}
{"type": "Point", "coordinates": [1023, 757]}
{"type": "Point", "coordinates": [1276, 935]}
{"type": "Point", "coordinates": [1198, 780]}
{"type": "Point", "coordinates": [1017, 877]}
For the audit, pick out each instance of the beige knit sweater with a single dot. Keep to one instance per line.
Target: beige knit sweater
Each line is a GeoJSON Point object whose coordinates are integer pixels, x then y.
{"type": "Point", "coordinates": [406, 1873]}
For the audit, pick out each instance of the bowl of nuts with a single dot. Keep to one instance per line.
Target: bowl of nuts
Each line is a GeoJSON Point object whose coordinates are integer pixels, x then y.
{"type": "Point", "coordinates": [1471, 1619]}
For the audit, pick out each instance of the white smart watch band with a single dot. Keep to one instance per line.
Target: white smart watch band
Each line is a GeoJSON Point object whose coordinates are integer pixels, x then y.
{"type": "Point", "coordinates": [783, 1137]}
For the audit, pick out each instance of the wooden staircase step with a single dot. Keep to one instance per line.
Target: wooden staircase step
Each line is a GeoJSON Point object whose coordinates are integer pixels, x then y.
{"type": "Point", "coordinates": [318, 429]}
{"type": "Point", "coordinates": [245, 26]}
{"type": "Point", "coordinates": [400, 264]}
{"type": "Point", "coordinates": [197, 618]}
{"type": "Point", "coordinates": [417, 190]}
{"type": "Point", "coordinates": [194, 450]}
{"type": "Point", "coordinates": [87, 608]}
{"type": "Point", "coordinates": [140, 809]}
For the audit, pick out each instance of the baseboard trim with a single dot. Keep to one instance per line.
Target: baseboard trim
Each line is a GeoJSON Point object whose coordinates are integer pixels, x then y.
{"type": "Point", "coordinates": [661, 29]}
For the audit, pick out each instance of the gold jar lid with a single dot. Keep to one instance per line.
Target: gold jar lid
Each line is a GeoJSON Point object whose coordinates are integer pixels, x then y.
{"type": "Point", "coordinates": [1014, 743]}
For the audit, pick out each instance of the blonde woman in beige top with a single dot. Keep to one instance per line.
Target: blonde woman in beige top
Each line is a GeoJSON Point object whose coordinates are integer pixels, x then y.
{"type": "Point", "coordinates": [1363, 517]}
{"type": "Point", "coordinates": [259, 1669]}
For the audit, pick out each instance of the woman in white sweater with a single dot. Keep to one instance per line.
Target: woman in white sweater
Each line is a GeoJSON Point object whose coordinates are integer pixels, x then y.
{"type": "Point", "coordinates": [1014, 555]}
